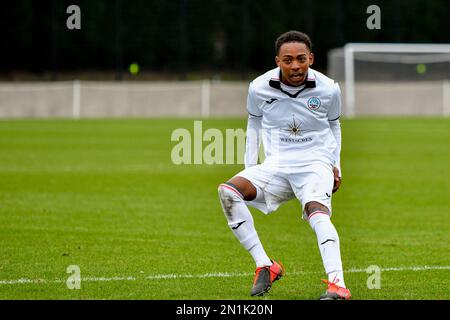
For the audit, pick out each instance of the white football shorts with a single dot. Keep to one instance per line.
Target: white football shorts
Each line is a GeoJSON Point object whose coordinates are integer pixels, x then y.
{"type": "Point", "coordinates": [312, 182]}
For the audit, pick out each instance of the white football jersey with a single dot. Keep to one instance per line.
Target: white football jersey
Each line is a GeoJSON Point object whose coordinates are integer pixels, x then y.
{"type": "Point", "coordinates": [295, 120]}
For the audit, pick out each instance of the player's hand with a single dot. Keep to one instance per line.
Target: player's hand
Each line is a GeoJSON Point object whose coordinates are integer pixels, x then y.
{"type": "Point", "coordinates": [337, 179]}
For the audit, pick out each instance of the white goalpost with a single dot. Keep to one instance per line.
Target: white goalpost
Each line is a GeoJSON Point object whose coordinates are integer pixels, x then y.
{"type": "Point", "coordinates": [377, 60]}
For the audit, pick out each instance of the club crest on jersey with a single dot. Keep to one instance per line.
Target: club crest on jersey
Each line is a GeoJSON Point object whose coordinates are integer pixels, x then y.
{"type": "Point", "coordinates": [313, 103]}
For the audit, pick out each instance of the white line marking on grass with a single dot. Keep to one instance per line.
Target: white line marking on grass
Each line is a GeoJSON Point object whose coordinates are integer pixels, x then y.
{"type": "Point", "coordinates": [206, 275]}
{"type": "Point", "coordinates": [417, 268]}
{"type": "Point", "coordinates": [198, 276]}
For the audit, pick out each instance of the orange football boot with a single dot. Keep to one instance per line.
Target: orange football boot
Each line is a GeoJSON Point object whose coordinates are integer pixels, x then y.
{"type": "Point", "coordinates": [335, 292]}
{"type": "Point", "coordinates": [265, 276]}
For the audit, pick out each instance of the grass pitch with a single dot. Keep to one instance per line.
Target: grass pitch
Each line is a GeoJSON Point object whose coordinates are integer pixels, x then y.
{"type": "Point", "coordinates": [105, 196]}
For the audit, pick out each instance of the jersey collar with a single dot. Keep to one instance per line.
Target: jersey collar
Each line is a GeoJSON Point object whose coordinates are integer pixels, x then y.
{"type": "Point", "coordinates": [274, 82]}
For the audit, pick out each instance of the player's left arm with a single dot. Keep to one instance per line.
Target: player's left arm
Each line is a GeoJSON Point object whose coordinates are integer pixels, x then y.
{"type": "Point", "coordinates": [334, 114]}
{"type": "Point", "coordinates": [253, 139]}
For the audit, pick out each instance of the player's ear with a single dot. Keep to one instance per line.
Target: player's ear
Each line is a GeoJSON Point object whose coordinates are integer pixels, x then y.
{"type": "Point", "coordinates": [311, 58]}
{"type": "Point", "coordinates": [277, 60]}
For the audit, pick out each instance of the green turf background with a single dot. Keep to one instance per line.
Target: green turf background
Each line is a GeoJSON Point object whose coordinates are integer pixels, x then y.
{"type": "Point", "coordinates": [104, 195]}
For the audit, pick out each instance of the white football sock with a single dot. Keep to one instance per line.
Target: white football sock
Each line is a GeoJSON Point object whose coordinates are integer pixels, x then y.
{"type": "Point", "coordinates": [328, 241]}
{"type": "Point", "coordinates": [241, 223]}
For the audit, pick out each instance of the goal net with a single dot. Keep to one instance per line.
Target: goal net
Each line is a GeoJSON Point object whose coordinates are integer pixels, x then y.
{"type": "Point", "coordinates": [392, 78]}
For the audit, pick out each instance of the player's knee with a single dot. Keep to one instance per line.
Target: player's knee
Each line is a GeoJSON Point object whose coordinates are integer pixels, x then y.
{"type": "Point", "coordinates": [314, 206]}
{"type": "Point", "coordinates": [227, 190]}
{"type": "Point", "coordinates": [243, 187]}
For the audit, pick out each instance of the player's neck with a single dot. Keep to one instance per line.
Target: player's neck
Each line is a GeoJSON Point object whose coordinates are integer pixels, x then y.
{"type": "Point", "coordinates": [292, 88]}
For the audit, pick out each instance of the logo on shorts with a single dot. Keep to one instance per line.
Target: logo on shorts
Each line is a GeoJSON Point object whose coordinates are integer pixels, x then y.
{"type": "Point", "coordinates": [313, 103]}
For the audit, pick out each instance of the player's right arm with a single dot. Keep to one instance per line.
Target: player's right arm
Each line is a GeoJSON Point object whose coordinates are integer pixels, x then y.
{"type": "Point", "coordinates": [334, 114]}
{"type": "Point", "coordinates": [253, 139]}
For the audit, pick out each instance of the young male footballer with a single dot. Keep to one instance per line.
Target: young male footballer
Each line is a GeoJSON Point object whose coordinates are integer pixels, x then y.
{"type": "Point", "coordinates": [294, 110]}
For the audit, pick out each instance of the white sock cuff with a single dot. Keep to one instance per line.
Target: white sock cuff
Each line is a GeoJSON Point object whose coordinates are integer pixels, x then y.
{"type": "Point", "coordinates": [227, 189]}
{"type": "Point", "coordinates": [318, 216]}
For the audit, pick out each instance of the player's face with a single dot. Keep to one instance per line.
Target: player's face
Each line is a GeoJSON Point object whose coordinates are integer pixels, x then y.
{"type": "Point", "coordinates": [294, 59]}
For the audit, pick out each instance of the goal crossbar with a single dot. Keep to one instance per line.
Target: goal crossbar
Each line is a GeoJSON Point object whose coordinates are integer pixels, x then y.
{"type": "Point", "coordinates": [351, 48]}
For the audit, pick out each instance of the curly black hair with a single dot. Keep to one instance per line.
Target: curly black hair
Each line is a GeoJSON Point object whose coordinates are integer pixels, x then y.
{"type": "Point", "coordinates": [292, 36]}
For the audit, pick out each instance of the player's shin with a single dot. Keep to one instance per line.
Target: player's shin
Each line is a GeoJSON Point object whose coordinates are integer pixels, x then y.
{"type": "Point", "coordinates": [241, 223]}
{"type": "Point", "coordinates": [328, 241]}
